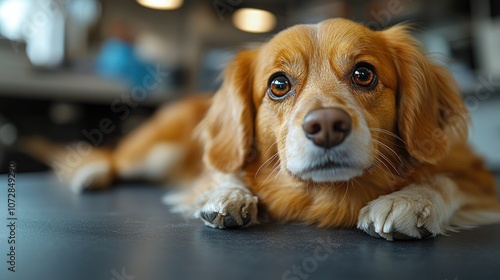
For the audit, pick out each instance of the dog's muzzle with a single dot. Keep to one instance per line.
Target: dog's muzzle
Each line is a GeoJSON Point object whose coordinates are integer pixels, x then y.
{"type": "Point", "coordinates": [327, 127]}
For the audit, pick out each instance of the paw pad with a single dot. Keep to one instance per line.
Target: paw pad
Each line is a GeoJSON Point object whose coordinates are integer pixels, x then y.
{"type": "Point", "coordinates": [215, 219]}
{"type": "Point", "coordinates": [228, 207]}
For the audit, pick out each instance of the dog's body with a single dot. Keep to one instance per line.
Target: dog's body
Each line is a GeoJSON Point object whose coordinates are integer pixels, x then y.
{"type": "Point", "coordinates": [330, 124]}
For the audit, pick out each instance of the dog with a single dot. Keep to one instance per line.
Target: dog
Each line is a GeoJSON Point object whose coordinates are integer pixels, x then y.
{"type": "Point", "coordinates": [330, 124]}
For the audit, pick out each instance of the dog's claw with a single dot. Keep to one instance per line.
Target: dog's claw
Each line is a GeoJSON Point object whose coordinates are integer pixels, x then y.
{"type": "Point", "coordinates": [396, 217]}
{"type": "Point", "coordinates": [218, 220]}
{"type": "Point", "coordinates": [208, 216]}
{"type": "Point", "coordinates": [395, 235]}
{"type": "Point", "coordinates": [228, 208]}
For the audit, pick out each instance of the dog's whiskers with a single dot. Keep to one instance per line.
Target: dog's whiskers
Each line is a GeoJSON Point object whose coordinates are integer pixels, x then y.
{"type": "Point", "coordinates": [266, 163]}
{"type": "Point", "coordinates": [387, 132]}
{"type": "Point", "coordinates": [389, 149]}
{"type": "Point", "coordinates": [270, 146]}
{"type": "Point", "coordinates": [273, 174]}
{"type": "Point", "coordinates": [345, 193]}
{"type": "Point", "coordinates": [377, 159]}
{"type": "Point", "coordinates": [388, 161]}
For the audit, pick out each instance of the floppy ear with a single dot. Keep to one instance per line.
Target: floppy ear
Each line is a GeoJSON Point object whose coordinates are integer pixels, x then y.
{"type": "Point", "coordinates": [430, 109]}
{"type": "Point", "coordinates": [227, 129]}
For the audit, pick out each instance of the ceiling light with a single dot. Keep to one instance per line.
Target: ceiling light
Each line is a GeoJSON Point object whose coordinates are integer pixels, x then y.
{"type": "Point", "coordinates": [254, 20]}
{"type": "Point", "coordinates": [161, 4]}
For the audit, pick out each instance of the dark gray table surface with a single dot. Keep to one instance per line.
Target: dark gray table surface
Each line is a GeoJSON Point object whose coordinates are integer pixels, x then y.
{"type": "Point", "coordinates": [127, 233]}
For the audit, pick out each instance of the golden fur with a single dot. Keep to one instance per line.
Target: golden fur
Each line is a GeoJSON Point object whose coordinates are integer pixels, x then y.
{"type": "Point", "coordinates": [414, 120]}
{"type": "Point", "coordinates": [417, 118]}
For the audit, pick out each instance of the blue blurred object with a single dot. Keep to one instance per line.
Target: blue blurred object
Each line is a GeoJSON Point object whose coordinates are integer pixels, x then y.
{"type": "Point", "coordinates": [117, 59]}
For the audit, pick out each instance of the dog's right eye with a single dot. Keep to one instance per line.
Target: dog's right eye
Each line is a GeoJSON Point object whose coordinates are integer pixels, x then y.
{"type": "Point", "coordinates": [364, 76]}
{"type": "Point", "coordinates": [279, 87]}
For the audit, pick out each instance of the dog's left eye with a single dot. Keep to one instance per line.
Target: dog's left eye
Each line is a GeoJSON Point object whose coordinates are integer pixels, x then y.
{"type": "Point", "coordinates": [279, 87]}
{"type": "Point", "coordinates": [364, 76]}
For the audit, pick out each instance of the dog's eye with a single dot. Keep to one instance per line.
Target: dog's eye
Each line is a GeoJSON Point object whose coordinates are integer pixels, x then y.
{"type": "Point", "coordinates": [364, 76]}
{"type": "Point", "coordinates": [279, 87]}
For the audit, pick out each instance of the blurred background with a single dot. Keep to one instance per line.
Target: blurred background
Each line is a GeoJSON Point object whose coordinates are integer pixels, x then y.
{"type": "Point", "coordinates": [67, 65]}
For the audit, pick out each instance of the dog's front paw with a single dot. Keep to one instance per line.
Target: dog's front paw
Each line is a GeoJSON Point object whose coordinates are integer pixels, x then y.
{"type": "Point", "coordinates": [400, 217]}
{"type": "Point", "coordinates": [228, 207]}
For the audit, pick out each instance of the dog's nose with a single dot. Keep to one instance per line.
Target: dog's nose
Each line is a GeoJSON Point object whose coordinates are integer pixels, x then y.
{"type": "Point", "coordinates": [327, 127]}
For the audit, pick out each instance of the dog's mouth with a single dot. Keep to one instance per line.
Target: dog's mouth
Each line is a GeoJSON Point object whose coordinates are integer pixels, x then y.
{"type": "Point", "coordinates": [328, 165]}
{"type": "Point", "coordinates": [308, 162]}
{"type": "Point", "coordinates": [330, 171]}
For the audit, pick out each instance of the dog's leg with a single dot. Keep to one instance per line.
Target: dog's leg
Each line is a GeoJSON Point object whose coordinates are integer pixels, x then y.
{"type": "Point", "coordinates": [154, 162]}
{"type": "Point", "coordinates": [94, 172]}
{"type": "Point", "coordinates": [421, 210]}
{"type": "Point", "coordinates": [162, 147]}
{"type": "Point", "coordinates": [80, 165]}
{"type": "Point", "coordinates": [146, 158]}
{"type": "Point", "coordinates": [151, 162]}
{"type": "Point", "coordinates": [220, 200]}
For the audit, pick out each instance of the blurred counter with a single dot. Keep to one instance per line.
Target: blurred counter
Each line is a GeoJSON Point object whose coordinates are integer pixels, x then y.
{"type": "Point", "coordinates": [18, 79]}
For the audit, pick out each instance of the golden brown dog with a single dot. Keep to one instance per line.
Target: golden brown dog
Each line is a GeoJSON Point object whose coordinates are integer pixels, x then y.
{"type": "Point", "coordinates": [329, 124]}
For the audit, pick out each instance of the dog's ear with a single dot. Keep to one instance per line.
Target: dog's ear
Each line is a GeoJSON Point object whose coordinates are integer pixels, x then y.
{"type": "Point", "coordinates": [430, 109]}
{"type": "Point", "coordinates": [227, 129]}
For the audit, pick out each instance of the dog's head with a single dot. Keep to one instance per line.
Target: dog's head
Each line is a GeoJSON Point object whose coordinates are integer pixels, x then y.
{"type": "Point", "coordinates": [332, 100]}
